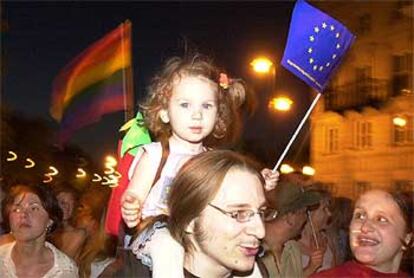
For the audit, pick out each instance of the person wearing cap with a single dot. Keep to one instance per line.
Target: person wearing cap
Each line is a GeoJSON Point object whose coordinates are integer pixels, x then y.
{"type": "Point", "coordinates": [281, 254]}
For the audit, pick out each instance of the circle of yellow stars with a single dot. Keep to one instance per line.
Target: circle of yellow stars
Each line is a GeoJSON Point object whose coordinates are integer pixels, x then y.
{"type": "Point", "coordinates": [317, 30]}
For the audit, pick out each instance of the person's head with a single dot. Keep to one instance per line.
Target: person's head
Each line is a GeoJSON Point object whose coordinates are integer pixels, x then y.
{"type": "Point", "coordinates": [291, 201]}
{"type": "Point", "coordinates": [213, 209]}
{"type": "Point", "coordinates": [91, 208]}
{"type": "Point", "coordinates": [186, 99]}
{"type": "Point", "coordinates": [31, 212]}
{"type": "Point", "coordinates": [321, 212]}
{"type": "Point", "coordinates": [341, 213]}
{"type": "Point", "coordinates": [381, 229]}
{"type": "Point", "coordinates": [67, 197]}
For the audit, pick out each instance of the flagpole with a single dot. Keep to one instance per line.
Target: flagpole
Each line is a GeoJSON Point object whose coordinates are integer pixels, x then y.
{"type": "Point", "coordinates": [128, 82]}
{"type": "Point", "coordinates": [315, 100]}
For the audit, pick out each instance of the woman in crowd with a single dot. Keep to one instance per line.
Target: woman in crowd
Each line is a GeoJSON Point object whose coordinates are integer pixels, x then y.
{"type": "Point", "coordinates": [99, 248]}
{"type": "Point", "coordinates": [315, 230]}
{"type": "Point", "coordinates": [338, 228]}
{"type": "Point", "coordinates": [380, 232]}
{"type": "Point", "coordinates": [32, 212]}
{"type": "Point", "coordinates": [66, 237]}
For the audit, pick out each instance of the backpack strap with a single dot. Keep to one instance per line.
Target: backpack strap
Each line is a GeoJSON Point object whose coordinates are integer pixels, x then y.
{"type": "Point", "coordinates": [165, 152]}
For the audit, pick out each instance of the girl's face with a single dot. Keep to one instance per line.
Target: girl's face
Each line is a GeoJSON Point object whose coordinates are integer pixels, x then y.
{"type": "Point", "coordinates": [192, 109]}
{"type": "Point", "coordinates": [376, 231]}
{"type": "Point", "coordinates": [321, 215]}
{"type": "Point", "coordinates": [28, 219]}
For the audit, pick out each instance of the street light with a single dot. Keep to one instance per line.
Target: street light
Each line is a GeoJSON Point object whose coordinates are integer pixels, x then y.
{"type": "Point", "coordinates": [263, 65]}
{"type": "Point", "coordinates": [286, 169]}
{"type": "Point", "coordinates": [308, 170]}
{"type": "Point", "coordinates": [281, 103]}
{"type": "Point", "coordinates": [399, 121]}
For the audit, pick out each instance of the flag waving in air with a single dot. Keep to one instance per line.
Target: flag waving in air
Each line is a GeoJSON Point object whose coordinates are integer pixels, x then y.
{"type": "Point", "coordinates": [95, 83]}
{"type": "Point", "coordinates": [316, 45]}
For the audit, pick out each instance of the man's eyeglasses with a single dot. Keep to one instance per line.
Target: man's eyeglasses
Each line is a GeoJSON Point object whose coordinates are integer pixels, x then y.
{"type": "Point", "coordinates": [245, 215]}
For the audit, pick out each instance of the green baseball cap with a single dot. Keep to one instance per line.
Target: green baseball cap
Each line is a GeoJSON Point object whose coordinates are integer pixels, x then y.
{"type": "Point", "coordinates": [289, 197]}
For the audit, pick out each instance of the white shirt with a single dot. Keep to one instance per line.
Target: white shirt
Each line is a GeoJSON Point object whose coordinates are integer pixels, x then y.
{"type": "Point", "coordinates": [63, 266]}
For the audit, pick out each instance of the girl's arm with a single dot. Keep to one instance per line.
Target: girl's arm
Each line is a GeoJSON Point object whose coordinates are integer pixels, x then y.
{"type": "Point", "coordinates": [137, 191]}
{"type": "Point", "coordinates": [271, 178]}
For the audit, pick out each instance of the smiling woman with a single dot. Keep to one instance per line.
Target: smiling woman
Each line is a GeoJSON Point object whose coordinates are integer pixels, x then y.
{"type": "Point", "coordinates": [380, 232]}
{"type": "Point", "coordinates": [32, 212]}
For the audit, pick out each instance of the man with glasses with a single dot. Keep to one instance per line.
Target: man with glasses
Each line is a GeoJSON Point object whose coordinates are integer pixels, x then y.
{"type": "Point", "coordinates": [281, 255]}
{"type": "Point", "coordinates": [217, 212]}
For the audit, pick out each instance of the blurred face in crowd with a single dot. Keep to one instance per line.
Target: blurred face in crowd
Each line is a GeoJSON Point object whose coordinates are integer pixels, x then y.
{"type": "Point", "coordinates": [376, 231]}
{"type": "Point", "coordinates": [297, 220]}
{"type": "Point", "coordinates": [28, 219]}
{"type": "Point", "coordinates": [66, 203]}
{"type": "Point", "coordinates": [221, 241]}
{"type": "Point", "coordinates": [84, 217]}
{"type": "Point", "coordinates": [321, 215]}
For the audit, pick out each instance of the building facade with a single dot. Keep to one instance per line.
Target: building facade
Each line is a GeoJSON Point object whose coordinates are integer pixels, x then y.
{"type": "Point", "coordinates": [362, 130]}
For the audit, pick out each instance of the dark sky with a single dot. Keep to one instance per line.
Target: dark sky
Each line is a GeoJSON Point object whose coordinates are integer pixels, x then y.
{"type": "Point", "coordinates": [41, 37]}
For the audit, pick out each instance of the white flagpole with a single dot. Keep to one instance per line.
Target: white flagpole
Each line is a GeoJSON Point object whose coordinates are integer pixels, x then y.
{"type": "Point", "coordinates": [315, 100]}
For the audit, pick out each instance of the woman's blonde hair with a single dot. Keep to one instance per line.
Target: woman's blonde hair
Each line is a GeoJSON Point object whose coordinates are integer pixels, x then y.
{"type": "Point", "coordinates": [227, 128]}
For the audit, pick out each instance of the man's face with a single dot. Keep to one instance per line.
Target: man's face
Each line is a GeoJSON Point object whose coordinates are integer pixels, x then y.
{"type": "Point", "coordinates": [223, 243]}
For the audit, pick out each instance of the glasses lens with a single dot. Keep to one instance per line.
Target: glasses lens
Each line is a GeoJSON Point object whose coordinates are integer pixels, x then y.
{"type": "Point", "coordinates": [269, 214]}
{"type": "Point", "coordinates": [244, 215]}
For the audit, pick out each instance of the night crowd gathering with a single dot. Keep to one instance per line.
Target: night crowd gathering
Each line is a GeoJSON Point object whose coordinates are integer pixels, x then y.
{"type": "Point", "coordinates": [188, 202]}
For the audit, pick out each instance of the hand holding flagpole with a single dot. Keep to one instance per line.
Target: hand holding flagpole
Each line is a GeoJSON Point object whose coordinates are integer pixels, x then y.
{"type": "Point", "coordinates": [315, 48]}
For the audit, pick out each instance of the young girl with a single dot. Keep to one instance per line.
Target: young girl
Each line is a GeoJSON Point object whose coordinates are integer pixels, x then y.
{"type": "Point", "coordinates": [191, 107]}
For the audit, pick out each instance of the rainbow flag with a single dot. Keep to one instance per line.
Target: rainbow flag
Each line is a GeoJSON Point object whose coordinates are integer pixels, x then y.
{"type": "Point", "coordinates": [94, 83]}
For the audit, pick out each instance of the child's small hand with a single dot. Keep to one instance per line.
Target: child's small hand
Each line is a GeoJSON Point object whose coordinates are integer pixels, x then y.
{"type": "Point", "coordinates": [130, 209]}
{"type": "Point", "coordinates": [271, 178]}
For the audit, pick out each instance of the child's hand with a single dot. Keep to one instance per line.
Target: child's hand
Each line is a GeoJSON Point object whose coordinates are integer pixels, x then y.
{"type": "Point", "coordinates": [271, 178]}
{"type": "Point", "coordinates": [130, 209]}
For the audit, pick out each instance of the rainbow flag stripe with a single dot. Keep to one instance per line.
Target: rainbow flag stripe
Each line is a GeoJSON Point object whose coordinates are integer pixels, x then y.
{"type": "Point", "coordinates": [94, 72]}
{"type": "Point", "coordinates": [87, 108]}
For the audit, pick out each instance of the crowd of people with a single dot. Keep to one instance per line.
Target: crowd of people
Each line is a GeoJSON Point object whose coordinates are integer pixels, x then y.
{"type": "Point", "coordinates": [193, 209]}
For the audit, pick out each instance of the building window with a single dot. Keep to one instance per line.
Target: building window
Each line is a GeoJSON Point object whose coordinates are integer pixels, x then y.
{"type": "Point", "coordinates": [331, 140]}
{"type": "Point", "coordinates": [403, 185]}
{"type": "Point", "coordinates": [363, 77]}
{"type": "Point", "coordinates": [362, 135]}
{"type": "Point", "coordinates": [364, 24]}
{"type": "Point", "coordinates": [402, 80]}
{"type": "Point", "coordinates": [403, 130]}
{"type": "Point", "coordinates": [360, 187]}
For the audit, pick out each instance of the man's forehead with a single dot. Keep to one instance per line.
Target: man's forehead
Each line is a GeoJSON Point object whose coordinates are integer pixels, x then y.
{"type": "Point", "coordinates": [240, 187]}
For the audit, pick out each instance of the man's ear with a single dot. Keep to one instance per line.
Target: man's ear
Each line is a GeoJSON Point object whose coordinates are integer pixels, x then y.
{"type": "Point", "coordinates": [164, 116]}
{"type": "Point", "coordinates": [190, 227]}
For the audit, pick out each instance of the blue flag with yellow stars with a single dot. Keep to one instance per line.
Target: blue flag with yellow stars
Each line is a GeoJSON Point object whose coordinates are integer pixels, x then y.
{"type": "Point", "coordinates": [315, 46]}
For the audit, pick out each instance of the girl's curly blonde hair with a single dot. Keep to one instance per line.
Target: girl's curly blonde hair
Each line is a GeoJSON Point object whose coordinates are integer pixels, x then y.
{"type": "Point", "coordinates": [227, 128]}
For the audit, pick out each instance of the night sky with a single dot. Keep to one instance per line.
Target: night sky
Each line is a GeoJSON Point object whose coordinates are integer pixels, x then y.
{"type": "Point", "coordinates": [41, 37]}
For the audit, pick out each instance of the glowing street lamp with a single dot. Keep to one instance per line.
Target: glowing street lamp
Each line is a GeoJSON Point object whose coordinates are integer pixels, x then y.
{"type": "Point", "coordinates": [262, 65]}
{"type": "Point", "coordinates": [281, 103]}
{"type": "Point", "coordinates": [399, 121]}
{"type": "Point", "coordinates": [309, 171]}
{"type": "Point", "coordinates": [286, 169]}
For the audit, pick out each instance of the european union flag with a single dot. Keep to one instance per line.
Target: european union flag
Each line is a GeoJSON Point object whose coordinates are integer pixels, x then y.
{"type": "Point", "coordinates": [316, 45]}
